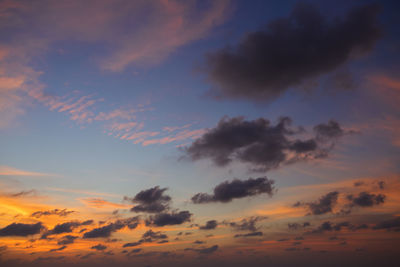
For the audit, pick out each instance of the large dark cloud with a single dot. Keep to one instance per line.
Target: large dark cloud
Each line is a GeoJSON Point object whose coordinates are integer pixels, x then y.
{"type": "Point", "coordinates": [227, 191]}
{"type": "Point", "coordinates": [329, 227]}
{"type": "Point", "coordinates": [365, 199]}
{"type": "Point", "coordinates": [107, 230]}
{"type": "Point", "coordinates": [173, 218]}
{"type": "Point", "coordinates": [291, 51]}
{"type": "Point", "coordinates": [261, 144]}
{"type": "Point", "coordinates": [21, 229]}
{"type": "Point", "coordinates": [324, 205]}
{"type": "Point", "coordinates": [152, 200]}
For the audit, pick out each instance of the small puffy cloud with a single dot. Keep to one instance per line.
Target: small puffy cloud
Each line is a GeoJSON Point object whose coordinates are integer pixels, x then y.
{"type": "Point", "coordinates": [324, 205]}
{"type": "Point", "coordinates": [212, 224]}
{"type": "Point", "coordinates": [173, 218]}
{"type": "Point", "coordinates": [152, 200]}
{"type": "Point", "coordinates": [227, 191]}
{"type": "Point", "coordinates": [99, 247]}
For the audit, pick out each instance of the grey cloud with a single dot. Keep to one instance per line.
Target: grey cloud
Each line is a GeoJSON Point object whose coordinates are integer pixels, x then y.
{"type": "Point", "coordinates": [227, 191]}
{"type": "Point", "coordinates": [21, 229]}
{"type": "Point", "coordinates": [173, 218]}
{"type": "Point", "coordinates": [212, 224]}
{"type": "Point", "coordinates": [291, 51]}
{"type": "Point", "coordinates": [262, 145]}
{"type": "Point", "coordinates": [152, 200]}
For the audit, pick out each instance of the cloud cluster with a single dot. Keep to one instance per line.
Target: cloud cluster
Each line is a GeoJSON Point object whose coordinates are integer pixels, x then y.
{"type": "Point", "coordinates": [365, 199]}
{"type": "Point", "coordinates": [324, 205]}
{"type": "Point", "coordinates": [261, 144]}
{"type": "Point", "coordinates": [21, 229]}
{"type": "Point", "coordinates": [66, 227]}
{"type": "Point", "coordinates": [247, 224]}
{"type": "Point", "coordinates": [152, 200]}
{"type": "Point", "coordinates": [227, 191]}
{"type": "Point", "coordinates": [107, 230]}
{"type": "Point", "coordinates": [291, 51]}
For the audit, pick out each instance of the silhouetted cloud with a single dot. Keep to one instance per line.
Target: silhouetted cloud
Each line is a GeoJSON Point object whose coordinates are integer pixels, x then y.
{"type": "Point", "coordinates": [66, 240]}
{"type": "Point", "coordinates": [58, 212]}
{"type": "Point", "coordinates": [212, 224]}
{"type": "Point", "coordinates": [261, 144]}
{"type": "Point", "coordinates": [66, 227]}
{"type": "Point", "coordinates": [58, 249]}
{"type": "Point", "coordinates": [132, 244]}
{"type": "Point", "coordinates": [296, 226]}
{"type": "Point", "coordinates": [249, 234]}
{"type": "Point", "coordinates": [152, 200]}
{"type": "Point", "coordinates": [290, 52]}
{"type": "Point", "coordinates": [365, 199]}
{"type": "Point", "coordinates": [388, 224]}
{"type": "Point", "coordinates": [21, 229]}
{"type": "Point", "coordinates": [208, 250]}
{"type": "Point", "coordinates": [150, 236]}
{"type": "Point", "coordinates": [247, 224]}
{"type": "Point", "coordinates": [106, 231]}
{"type": "Point", "coordinates": [173, 218]}
{"type": "Point", "coordinates": [329, 226]}
{"type": "Point", "coordinates": [227, 191]}
{"type": "Point", "coordinates": [99, 247]}
{"type": "Point", "coordinates": [324, 205]}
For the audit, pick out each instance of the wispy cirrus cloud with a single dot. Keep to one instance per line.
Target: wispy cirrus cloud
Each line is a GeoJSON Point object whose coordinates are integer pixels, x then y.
{"type": "Point", "coordinates": [11, 171]}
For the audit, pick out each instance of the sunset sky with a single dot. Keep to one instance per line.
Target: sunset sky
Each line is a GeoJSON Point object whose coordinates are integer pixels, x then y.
{"type": "Point", "coordinates": [199, 133]}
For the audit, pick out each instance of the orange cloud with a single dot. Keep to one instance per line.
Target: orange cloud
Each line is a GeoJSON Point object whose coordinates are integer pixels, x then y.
{"type": "Point", "coordinates": [101, 203]}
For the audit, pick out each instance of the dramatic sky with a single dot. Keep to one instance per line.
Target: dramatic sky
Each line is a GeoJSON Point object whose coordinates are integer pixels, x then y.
{"type": "Point", "coordinates": [199, 133]}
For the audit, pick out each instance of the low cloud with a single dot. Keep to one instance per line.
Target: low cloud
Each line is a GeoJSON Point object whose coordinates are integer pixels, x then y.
{"type": "Point", "coordinates": [365, 199]}
{"type": "Point", "coordinates": [324, 205]}
{"type": "Point", "coordinates": [249, 234]}
{"type": "Point", "coordinates": [21, 229]}
{"type": "Point", "coordinates": [210, 225]}
{"type": "Point", "coordinates": [227, 191]}
{"type": "Point", "coordinates": [247, 224]}
{"type": "Point", "coordinates": [152, 200]}
{"type": "Point", "coordinates": [263, 145]}
{"type": "Point", "coordinates": [173, 218]}
{"type": "Point", "coordinates": [106, 231]}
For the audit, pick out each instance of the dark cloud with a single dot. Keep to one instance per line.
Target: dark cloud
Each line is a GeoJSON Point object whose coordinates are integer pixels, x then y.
{"type": "Point", "coordinates": [209, 225]}
{"type": "Point", "coordinates": [329, 227]}
{"type": "Point", "coordinates": [227, 191]}
{"type": "Point", "coordinates": [99, 247]}
{"type": "Point", "coordinates": [249, 234]}
{"type": "Point", "coordinates": [66, 227]}
{"type": "Point", "coordinates": [388, 224]}
{"type": "Point", "coordinates": [381, 184]}
{"type": "Point", "coordinates": [198, 242]}
{"type": "Point", "coordinates": [324, 205]}
{"type": "Point", "coordinates": [261, 144]}
{"type": "Point", "coordinates": [58, 212]}
{"type": "Point", "coordinates": [365, 199]}
{"type": "Point", "coordinates": [150, 236]}
{"type": "Point", "coordinates": [152, 200]}
{"type": "Point", "coordinates": [21, 229]}
{"type": "Point", "coordinates": [359, 183]}
{"type": "Point", "coordinates": [107, 230]}
{"type": "Point", "coordinates": [132, 244]}
{"type": "Point", "coordinates": [173, 218]}
{"type": "Point", "coordinates": [290, 52]}
{"type": "Point", "coordinates": [66, 240]}
{"type": "Point", "coordinates": [296, 226]}
{"type": "Point", "coordinates": [58, 249]}
{"type": "Point", "coordinates": [247, 224]}
{"type": "Point", "coordinates": [208, 250]}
